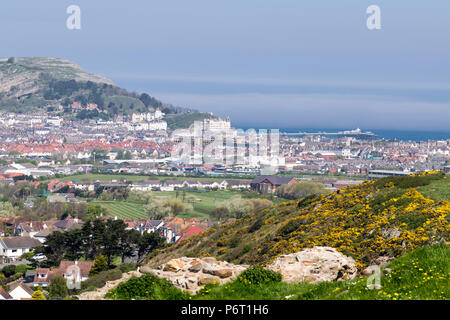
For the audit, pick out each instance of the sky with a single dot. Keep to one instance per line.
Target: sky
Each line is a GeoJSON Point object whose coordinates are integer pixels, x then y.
{"type": "Point", "coordinates": [263, 63]}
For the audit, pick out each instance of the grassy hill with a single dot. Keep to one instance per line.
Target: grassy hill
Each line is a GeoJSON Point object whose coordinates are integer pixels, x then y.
{"type": "Point", "coordinates": [176, 121]}
{"type": "Point", "coordinates": [386, 217]}
{"type": "Point", "coordinates": [32, 84]}
{"type": "Point", "coordinates": [419, 275]}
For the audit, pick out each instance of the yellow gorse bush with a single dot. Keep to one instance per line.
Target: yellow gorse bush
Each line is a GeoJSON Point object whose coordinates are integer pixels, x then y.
{"type": "Point", "coordinates": [348, 222]}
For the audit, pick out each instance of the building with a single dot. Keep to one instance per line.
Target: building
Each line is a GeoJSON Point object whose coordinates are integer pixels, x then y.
{"type": "Point", "coordinates": [70, 270]}
{"type": "Point", "coordinates": [268, 184]}
{"type": "Point", "coordinates": [20, 291]}
{"type": "Point", "coordinates": [376, 174]}
{"type": "Point", "coordinates": [11, 248]}
{"type": "Point", "coordinates": [216, 124]}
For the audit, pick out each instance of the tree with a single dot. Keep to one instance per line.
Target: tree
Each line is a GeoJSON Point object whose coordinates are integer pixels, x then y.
{"type": "Point", "coordinates": [119, 155]}
{"type": "Point", "coordinates": [127, 155]}
{"type": "Point", "coordinates": [156, 209]}
{"type": "Point", "coordinates": [300, 190]}
{"type": "Point", "coordinates": [37, 295]}
{"type": "Point", "coordinates": [11, 60]}
{"type": "Point", "coordinates": [100, 264]}
{"type": "Point", "coordinates": [58, 287]}
{"type": "Point", "coordinates": [148, 243]}
{"type": "Point", "coordinates": [220, 213]}
{"type": "Point", "coordinates": [55, 247]}
{"type": "Point", "coordinates": [176, 207]}
{"type": "Point", "coordinates": [114, 230]}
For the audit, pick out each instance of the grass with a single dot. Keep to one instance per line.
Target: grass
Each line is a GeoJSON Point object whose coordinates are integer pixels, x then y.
{"type": "Point", "coordinates": [202, 204]}
{"type": "Point", "coordinates": [437, 190]}
{"type": "Point", "coordinates": [420, 275]}
{"type": "Point", "coordinates": [124, 209]}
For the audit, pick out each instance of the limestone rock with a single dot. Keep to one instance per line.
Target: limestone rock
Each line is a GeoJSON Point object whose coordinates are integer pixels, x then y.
{"type": "Point", "coordinates": [173, 265]}
{"type": "Point", "coordinates": [191, 274]}
{"type": "Point", "coordinates": [315, 265]}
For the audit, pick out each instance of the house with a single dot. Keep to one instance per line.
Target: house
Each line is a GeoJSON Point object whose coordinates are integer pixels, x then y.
{"type": "Point", "coordinates": [29, 229]}
{"type": "Point", "coordinates": [12, 248]}
{"type": "Point", "coordinates": [77, 271]}
{"type": "Point", "coordinates": [237, 184]}
{"type": "Point", "coordinates": [68, 224]}
{"type": "Point", "coordinates": [41, 277]}
{"type": "Point", "coordinates": [42, 235]}
{"type": "Point", "coordinates": [268, 184]}
{"type": "Point", "coordinates": [71, 270]}
{"type": "Point", "coordinates": [190, 231]}
{"type": "Point", "coordinates": [20, 291]}
{"type": "Point", "coordinates": [4, 295]}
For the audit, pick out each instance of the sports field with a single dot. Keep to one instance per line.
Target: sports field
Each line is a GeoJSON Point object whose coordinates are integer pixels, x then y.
{"type": "Point", "coordinates": [202, 203]}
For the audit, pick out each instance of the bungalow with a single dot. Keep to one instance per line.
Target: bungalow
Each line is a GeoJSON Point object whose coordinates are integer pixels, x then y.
{"type": "Point", "coordinates": [268, 184]}
{"type": "Point", "coordinates": [12, 248]}
{"type": "Point", "coordinates": [146, 185]}
{"type": "Point", "coordinates": [20, 291]}
{"type": "Point", "coordinates": [4, 295]}
{"type": "Point", "coordinates": [237, 184]}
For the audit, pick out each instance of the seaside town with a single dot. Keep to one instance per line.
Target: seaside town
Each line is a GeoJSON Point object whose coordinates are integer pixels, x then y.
{"type": "Point", "coordinates": [56, 172]}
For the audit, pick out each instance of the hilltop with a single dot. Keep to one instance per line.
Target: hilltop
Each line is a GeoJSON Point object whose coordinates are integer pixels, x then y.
{"type": "Point", "coordinates": [371, 222]}
{"type": "Point", "coordinates": [52, 84]}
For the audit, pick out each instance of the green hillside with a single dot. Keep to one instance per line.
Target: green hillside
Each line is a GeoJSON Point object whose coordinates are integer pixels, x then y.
{"type": "Point", "coordinates": [31, 84]}
{"type": "Point", "coordinates": [386, 217]}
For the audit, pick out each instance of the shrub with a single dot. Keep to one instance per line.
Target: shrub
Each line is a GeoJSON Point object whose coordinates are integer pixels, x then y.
{"type": "Point", "coordinates": [99, 280]}
{"type": "Point", "coordinates": [259, 275]}
{"type": "Point", "coordinates": [127, 267]}
{"type": "Point", "coordinates": [21, 268]}
{"type": "Point", "coordinates": [100, 264]}
{"type": "Point", "coordinates": [37, 295]}
{"type": "Point", "coordinates": [58, 287]}
{"type": "Point", "coordinates": [257, 225]}
{"type": "Point", "coordinates": [147, 287]}
{"type": "Point", "coordinates": [9, 270]}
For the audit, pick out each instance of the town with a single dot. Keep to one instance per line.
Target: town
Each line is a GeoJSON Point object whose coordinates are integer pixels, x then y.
{"type": "Point", "coordinates": [58, 174]}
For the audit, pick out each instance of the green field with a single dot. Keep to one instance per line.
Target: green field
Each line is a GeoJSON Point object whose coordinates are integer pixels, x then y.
{"type": "Point", "coordinates": [202, 203]}
{"type": "Point", "coordinates": [123, 209]}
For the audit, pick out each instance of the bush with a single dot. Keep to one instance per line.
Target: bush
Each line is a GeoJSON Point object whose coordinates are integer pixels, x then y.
{"type": "Point", "coordinates": [259, 275]}
{"type": "Point", "coordinates": [21, 268]}
{"type": "Point", "coordinates": [147, 287]}
{"type": "Point", "coordinates": [9, 270]}
{"type": "Point", "coordinates": [99, 280]}
{"type": "Point", "coordinates": [100, 264]}
{"type": "Point", "coordinates": [406, 182]}
{"type": "Point", "coordinates": [127, 267]}
{"type": "Point", "coordinates": [58, 287]}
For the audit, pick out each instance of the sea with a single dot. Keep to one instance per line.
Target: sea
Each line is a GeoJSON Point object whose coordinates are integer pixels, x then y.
{"type": "Point", "coordinates": [401, 135]}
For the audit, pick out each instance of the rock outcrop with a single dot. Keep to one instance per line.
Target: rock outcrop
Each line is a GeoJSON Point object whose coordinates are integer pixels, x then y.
{"type": "Point", "coordinates": [315, 265]}
{"type": "Point", "coordinates": [191, 274]}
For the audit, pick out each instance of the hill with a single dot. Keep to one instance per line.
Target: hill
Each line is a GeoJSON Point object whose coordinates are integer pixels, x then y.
{"type": "Point", "coordinates": [32, 84]}
{"type": "Point", "coordinates": [380, 219]}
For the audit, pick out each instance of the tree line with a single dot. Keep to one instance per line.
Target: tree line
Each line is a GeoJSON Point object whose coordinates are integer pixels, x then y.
{"type": "Point", "coordinates": [97, 237]}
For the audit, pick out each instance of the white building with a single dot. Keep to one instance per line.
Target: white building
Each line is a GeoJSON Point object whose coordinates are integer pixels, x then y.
{"type": "Point", "coordinates": [12, 248]}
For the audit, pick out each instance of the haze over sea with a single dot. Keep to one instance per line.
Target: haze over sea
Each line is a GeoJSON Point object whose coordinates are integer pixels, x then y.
{"type": "Point", "coordinates": [403, 135]}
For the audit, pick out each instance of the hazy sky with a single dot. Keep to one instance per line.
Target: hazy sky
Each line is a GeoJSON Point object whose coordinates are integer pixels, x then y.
{"type": "Point", "coordinates": [265, 63]}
